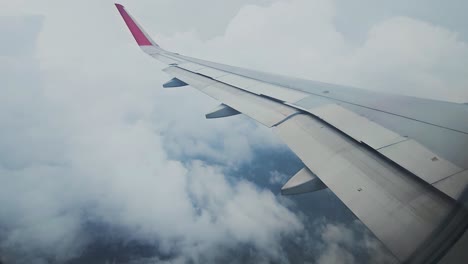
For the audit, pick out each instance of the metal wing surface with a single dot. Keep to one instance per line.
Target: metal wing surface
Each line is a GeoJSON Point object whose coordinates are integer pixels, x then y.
{"type": "Point", "coordinates": [398, 163]}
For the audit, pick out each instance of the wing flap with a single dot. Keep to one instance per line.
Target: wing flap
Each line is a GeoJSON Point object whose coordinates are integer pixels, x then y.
{"type": "Point", "coordinates": [397, 208]}
{"type": "Point", "coordinates": [356, 126]}
{"type": "Point", "coordinates": [405, 152]}
{"type": "Point", "coordinates": [454, 185]}
{"type": "Point", "coordinates": [420, 161]}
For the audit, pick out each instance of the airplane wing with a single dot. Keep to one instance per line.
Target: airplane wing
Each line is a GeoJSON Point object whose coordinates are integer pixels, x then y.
{"type": "Point", "coordinates": [398, 163]}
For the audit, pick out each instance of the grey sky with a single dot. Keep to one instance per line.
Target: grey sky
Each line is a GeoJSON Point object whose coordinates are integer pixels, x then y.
{"type": "Point", "coordinates": [88, 138]}
{"type": "Point", "coordinates": [354, 18]}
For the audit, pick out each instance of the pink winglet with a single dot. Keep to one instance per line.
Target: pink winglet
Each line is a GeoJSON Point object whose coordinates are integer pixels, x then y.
{"type": "Point", "coordinates": [137, 33]}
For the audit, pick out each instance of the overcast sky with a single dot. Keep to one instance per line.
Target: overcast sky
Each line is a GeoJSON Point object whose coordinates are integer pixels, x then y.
{"type": "Point", "coordinates": [96, 160]}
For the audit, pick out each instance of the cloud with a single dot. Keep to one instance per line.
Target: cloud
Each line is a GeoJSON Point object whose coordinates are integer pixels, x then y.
{"type": "Point", "coordinates": [80, 147]}
{"type": "Point", "coordinates": [277, 177]}
{"type": "Point", "coordinates": [415, 58]}
{"type": "Point", "coordinates": [299, 38]}
{"type": "Point", "coordinates": [343, 243]}
{"type": "Point", "coordinates": [20, 44]}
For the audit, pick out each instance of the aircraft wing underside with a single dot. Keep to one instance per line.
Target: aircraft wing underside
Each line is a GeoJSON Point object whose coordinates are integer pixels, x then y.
{"type": "Point", "coordinates": [398, 163]}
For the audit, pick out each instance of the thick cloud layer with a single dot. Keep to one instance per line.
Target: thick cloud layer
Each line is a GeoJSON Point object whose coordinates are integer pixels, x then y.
{"type": "Point", "coordinates": [92, 149]}
{"type": "Point", "coordinates": [80, 147]}
{"type": "Point", "coordinates": [399, 55]}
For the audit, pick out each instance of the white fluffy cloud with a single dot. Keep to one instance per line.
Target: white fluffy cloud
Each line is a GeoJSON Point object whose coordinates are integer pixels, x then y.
{"type": "Point", "coordinates": [344, 242]}
{"type": "Point", "coordinates": [299, 38]}
{"type": "Point", "coordinates": [83, 140]}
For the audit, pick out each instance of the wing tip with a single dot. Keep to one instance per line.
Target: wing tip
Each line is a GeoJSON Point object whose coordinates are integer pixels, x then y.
{"type": "Point", "coordinates": [140, 36]}
{"type": "Point", "coordinates": [119, 6]}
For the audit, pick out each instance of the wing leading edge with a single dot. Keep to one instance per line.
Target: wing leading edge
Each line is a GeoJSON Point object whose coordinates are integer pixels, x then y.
{"type": "Point", "coordinates": [409, 191]}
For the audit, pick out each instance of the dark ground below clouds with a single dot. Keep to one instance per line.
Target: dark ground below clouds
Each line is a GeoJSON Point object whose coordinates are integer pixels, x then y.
{"type": "Point", "coordinates": [112, 245]}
